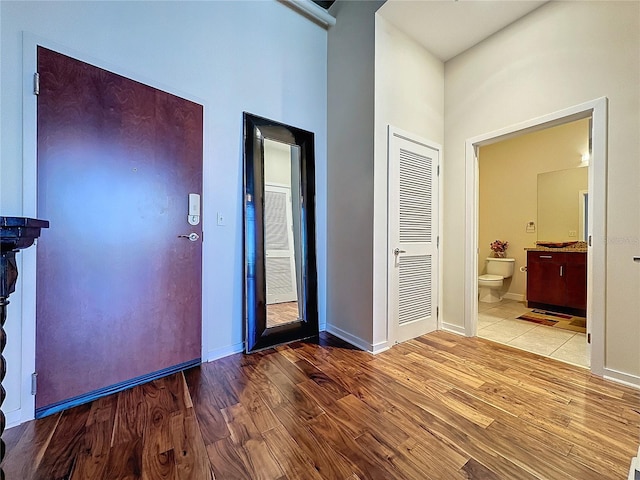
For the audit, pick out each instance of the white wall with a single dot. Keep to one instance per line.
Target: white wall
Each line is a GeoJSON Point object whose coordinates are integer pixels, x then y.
{"type": "Point", "coordinates": [278, 162]}
{"type": "Point", "coordinates": [563, 54]}
{"type": "Point", "coordinates": [377, 76]}
{"type": "Point", "coordinates": [409, 94]}
{"type": "Point", "coordinates": [350, 136]}
{"type": "Point", "coordinates": [259, 57]}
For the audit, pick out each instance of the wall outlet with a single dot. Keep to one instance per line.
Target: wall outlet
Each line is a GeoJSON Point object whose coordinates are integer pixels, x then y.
{"type": "Point", "coordinates": [221, 220]}
{"type": "Point", "coordinates": [573, 233]}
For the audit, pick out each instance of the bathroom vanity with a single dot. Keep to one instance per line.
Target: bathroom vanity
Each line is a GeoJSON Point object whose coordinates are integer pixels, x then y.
{"type": "Point", "coordinates": [557, 280]}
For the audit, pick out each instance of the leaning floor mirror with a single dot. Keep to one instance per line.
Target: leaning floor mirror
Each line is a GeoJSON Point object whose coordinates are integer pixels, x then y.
{"type": "Point", "coordinates": [280, 286]}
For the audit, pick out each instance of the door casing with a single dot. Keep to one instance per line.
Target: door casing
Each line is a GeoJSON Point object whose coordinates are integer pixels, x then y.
{"type": "Point", "coordinates": [596, 254]}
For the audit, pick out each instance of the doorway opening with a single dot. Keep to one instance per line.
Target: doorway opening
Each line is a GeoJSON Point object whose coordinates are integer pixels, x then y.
{"type": "Point", "coordinates": [595, 113]}
{"type": "Point", "coordinates": [529, 187]}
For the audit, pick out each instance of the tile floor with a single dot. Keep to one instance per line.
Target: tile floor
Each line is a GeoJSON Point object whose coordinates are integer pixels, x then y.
{"type": "Point", "coordinates": [498, 322]}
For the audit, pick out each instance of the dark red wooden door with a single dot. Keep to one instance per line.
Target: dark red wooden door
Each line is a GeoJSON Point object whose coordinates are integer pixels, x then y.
{"type": "Point", "coordinates": [118, 291]}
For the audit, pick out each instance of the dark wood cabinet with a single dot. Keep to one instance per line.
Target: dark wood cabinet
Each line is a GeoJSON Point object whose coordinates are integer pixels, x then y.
{"type": "Point", "coordinates": [557, 281]}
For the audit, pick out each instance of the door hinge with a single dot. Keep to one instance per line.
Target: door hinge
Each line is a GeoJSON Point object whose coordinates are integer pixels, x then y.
{"type": "Point", "coordinates": [588, 338]}
{"type": "Point", "coordinates": [437, 312]}
{"type": "Point", "coordinates": [34, 383]}
{"type": "Point", "coordinates": [438, 241]}
{"type": "Point", "coordinates": [438, 172]}
{"type": "Point", "coordinates": [589, 240]}
{"type": "Point", "coordinates": [36, 83]}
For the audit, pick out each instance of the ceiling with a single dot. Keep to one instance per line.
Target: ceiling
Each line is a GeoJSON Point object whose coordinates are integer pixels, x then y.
{"type": "Point", "coordinates": [447, 28]}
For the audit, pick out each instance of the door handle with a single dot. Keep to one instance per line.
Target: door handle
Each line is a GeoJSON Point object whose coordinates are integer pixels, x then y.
{"type": "Point", "coordinates": [397, 252]}
{"type": "Point", "coordinates": [636, 259]}
{"type": "Point", "coordinates": [193, 236]}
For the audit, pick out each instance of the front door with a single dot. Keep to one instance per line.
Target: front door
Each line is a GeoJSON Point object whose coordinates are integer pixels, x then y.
{"type": "Point", "coordinates": [118, 285]}
{"type": "Point", "coordinates": [413, 235]}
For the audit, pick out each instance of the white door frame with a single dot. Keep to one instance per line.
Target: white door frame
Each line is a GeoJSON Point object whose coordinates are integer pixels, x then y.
{"type": "Point", "coordinates": [596, 255]}
{"type": "Point", "coordinates": [391, 131]}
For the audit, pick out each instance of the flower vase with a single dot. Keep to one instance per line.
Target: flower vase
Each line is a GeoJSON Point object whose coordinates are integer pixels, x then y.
{"type": "Point", "coordinates": [500, 254]}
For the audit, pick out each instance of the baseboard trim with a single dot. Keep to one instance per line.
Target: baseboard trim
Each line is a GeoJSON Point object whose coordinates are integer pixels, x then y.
{"type": "Point", "coordinates": [518, 297]}
{"type": "Point", "coordinates": [453, 328]}
{"type": "Point", "coordinates": [380, 347]}
{"type": "Point", "coordinates": [356, 341]}
{"type": "Point", "coordinates": [13, 418]}
{"type": "Point", "coordinates": [222, 352]}
{"type": "Point", "coordinates": [621, 377]}
{"type": "Point", "coordinates": [118, 387]}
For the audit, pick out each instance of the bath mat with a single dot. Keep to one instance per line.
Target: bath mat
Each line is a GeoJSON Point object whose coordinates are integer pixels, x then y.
{"type": "Point", "coordinates": [558, 320]}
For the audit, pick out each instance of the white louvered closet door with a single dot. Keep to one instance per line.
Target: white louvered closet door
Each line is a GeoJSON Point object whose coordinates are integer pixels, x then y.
{"type": "Point", "coordinates": [280, 267]}
{"type": "Point", "coordinates": [413, 235]}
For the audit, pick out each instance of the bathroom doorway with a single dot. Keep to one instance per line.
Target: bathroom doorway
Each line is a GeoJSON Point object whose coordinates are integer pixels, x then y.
{"type": "Point", "coordinates": [529, 190]}
{"type": "Point", "coordinates": [501, 319]}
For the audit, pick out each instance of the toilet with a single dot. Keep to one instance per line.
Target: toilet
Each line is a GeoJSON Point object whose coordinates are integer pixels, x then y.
{"type": "Point", "coordinates": [490, 284]}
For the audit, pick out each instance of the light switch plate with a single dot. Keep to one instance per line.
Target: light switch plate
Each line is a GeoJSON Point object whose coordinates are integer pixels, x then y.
{"type": "Point", "coordinates": [220, 219]}
{"type": "Point", "coordinates": [531, 227]}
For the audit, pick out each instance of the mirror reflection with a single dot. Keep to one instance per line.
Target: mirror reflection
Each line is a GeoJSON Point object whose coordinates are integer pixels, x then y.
{"type": "Point", "coordinates": [282, 232]}
{"type": "Point", "coordinates": [562, 205]}
{"type": "Point", "coordinates": [280, 280]}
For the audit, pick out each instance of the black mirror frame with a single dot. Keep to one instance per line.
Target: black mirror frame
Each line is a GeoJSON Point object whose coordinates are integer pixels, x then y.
{"type": "Point", "coordinates": [257, 335]}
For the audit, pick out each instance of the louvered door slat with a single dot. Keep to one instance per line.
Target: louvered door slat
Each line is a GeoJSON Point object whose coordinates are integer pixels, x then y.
{"type": "Point", "coordinates": [278, 274]}
{"type": "Point", "coordinates": [276, 234]}
{"type": "Point", "coordinates": [413, 230]}
{"type": "Point", "coordinates": [415, 197]}
{"type": "Point", "coordinates": [414, 288]}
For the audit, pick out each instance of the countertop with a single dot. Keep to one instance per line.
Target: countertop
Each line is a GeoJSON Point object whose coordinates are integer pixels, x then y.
{"type": "Point", "coordinates": [578, 247]}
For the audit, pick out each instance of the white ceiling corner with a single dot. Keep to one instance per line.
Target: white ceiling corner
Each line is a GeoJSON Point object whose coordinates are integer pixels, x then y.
{"type": "Point", "coordinates": [447, 28]}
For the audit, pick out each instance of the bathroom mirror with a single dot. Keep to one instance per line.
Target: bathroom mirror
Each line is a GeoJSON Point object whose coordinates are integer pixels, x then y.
{"type": "Point", "coordinates": [562, 205]}
{"type": "Point", "coordinates": [280, 286]}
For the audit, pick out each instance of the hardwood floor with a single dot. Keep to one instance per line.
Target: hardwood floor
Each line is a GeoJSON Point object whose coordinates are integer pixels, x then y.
{"type": "Point", "coordinates": [281, 313]}
{"type": "Point", "coordinates": [438, 407]}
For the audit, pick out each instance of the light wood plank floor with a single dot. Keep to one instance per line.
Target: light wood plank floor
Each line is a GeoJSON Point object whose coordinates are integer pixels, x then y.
{"type": "Point", "coordinates": [438, 407]}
